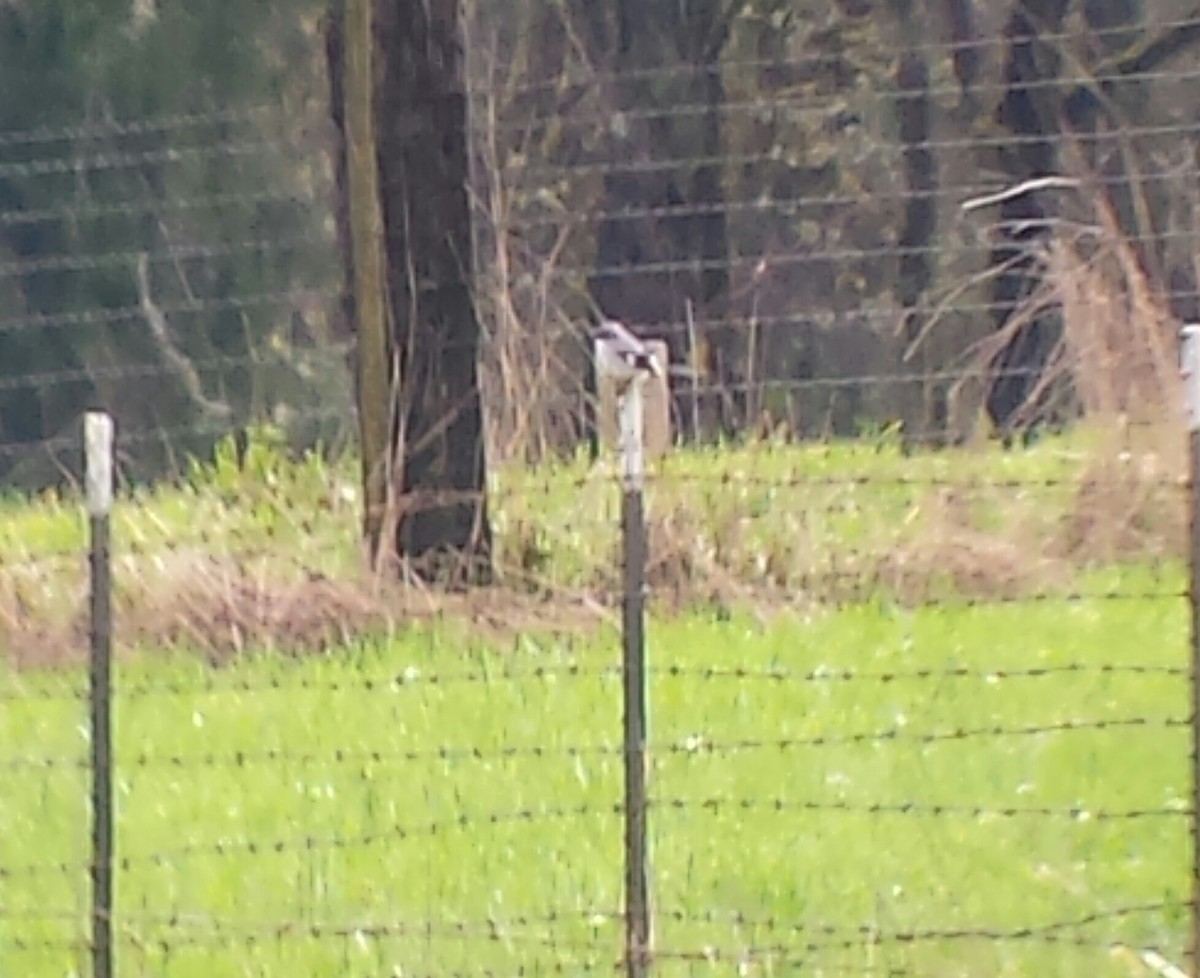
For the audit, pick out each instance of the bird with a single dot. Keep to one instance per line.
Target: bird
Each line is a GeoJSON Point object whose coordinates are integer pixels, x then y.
{"type": "Point", "coordinates": [621, 355]}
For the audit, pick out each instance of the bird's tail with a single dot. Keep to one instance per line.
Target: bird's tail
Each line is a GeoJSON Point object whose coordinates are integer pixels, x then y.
{"type": "Point", "coordinates": [649, 363]}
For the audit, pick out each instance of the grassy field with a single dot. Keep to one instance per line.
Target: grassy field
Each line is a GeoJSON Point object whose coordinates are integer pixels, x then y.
{"type": "Point", "coordinates": [978, 787]}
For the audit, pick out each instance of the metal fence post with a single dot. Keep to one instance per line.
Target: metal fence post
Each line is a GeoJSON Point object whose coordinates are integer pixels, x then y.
{"type": "Point", "coordinates": [98, 461]}
{"type": "Point", "coordinates": [1189, 347]}
{"type": "Point", "coordinates": [633, 535]}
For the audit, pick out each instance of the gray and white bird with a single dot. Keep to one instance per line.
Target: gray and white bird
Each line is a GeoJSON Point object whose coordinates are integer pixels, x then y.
{"type": "Point", "coordinates": [621, 355]}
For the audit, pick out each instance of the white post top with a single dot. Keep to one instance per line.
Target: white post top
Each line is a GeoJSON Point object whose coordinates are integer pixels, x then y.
{"type": "Point", "coordinates": [98, 462]}
{"type": "Point", "coordinates": [633, 448]}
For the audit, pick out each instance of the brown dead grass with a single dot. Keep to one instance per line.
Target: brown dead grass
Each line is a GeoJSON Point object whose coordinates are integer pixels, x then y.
{"type": "Point", "coordinates": [1121, 349]}
{"type": "Point", "coordinates": [1128, 503]}
{"type": "Point", "coordinates": [942, 555]}
{"type": "Point", "coordinates": [1131, 501]}
{"type": "Point", "coordinates": [223, 608]}
{"type": "Point", "coordinates": [950, 554]}
{"type": "Point", "coordinates": [1117, 360]}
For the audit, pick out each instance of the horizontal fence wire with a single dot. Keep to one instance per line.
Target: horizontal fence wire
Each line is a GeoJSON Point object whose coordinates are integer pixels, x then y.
{"type": "Point", "coordinates": [799, 106]}
{"type": "Point", "coordinates": [551, 675]}
{"type": "Point", "coordinates": [138, 127]}
{"type": "Point", "coordinates": [551, 174]}
{"type": "Point", "coordinates": [689, 747]}
{"type": "Point", "coordinates": [96, 317]}
{"type": "Point", "coordinates": [184, 253]}
{"type": "Point", "coordinates": [807, 58]}
{"type": "Point", "coordinates": [919, 702]}
{"type": "Point", "coordinates": [468, 823]}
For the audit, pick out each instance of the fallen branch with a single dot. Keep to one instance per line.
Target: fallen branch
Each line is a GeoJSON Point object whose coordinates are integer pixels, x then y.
{"type": "Point", "coordinates": [1028, 186]}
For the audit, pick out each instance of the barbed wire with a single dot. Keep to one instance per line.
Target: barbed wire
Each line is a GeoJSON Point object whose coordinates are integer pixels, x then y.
{"type": "Point", "coordinates": [431, 931]}
{"type": "Point", "coordinates": [718, 806]}
{"type": "Point", "coordinates": [886, 677]}
{"type": "Point", "coordinates": [390, 683]}
{"type": "Point", "coordinates": [414, 677]}
{"type": "Point", "coordinates": [447, 924]}
{"type": "Point", "coordinates": [817, 936]}
{"type": "Point", "coordinates": [799, 480]}
{"type": "Point", "coordinates": [464, 821]}
{"type": "Point", "coordinates": [669, 474]}
{"type": "Point", "coordinates": [38, 641]}
{"type": "Point", "coordinates": [493, 927]}
{"type": "Point", "coordinates": [691, 746]}
{"type": "Point", "coordinates": [841, 589]}
{"type": "Point", "coordinates": [739, 919]}
{"type": "Point", "coordinates": [876, 318]}
{"type": "Point", "coordinates": [1159, 579]}
{"type": "Point", "coordinates": [306, 931]}
{"type": "Point", "coordinates": [461, 821]}
{"type": "Point", "coordinates": [664, 477]}
{"type": "Point", "coordinates": [884, 319]}
{"type": "Point", "coordinates": [708, 954]}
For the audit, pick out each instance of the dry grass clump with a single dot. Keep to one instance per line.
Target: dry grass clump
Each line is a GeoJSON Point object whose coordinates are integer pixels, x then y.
{"type": "Point", "coordinates": [1120, 344]}
{"type": "Point", "coordinates": [1131, 501]}
{"type": "Point", "coordinates": [1117, 354]}
{"type": "Point", "coordinates": [220, 607]}
{"type": "Point", "coordinates": [42, 609]}
{"type": "Point", "coordinates": [223, 607]}
{"type": "Point", "coordinates": [949, 553]}
{"type": "Point", "coordinates": [227, 606]}
{"type": "Point", "coordinates": [934, 540]}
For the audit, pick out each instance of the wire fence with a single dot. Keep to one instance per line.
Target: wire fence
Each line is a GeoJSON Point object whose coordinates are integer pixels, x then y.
{"type": "Point", "coordinates": [840, 688]}
{"type": "Point", "coordinates": [876, 790]}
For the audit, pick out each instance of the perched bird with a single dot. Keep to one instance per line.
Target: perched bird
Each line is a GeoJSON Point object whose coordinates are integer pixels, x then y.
{"type": "Point", "coordinates": [621, 355]}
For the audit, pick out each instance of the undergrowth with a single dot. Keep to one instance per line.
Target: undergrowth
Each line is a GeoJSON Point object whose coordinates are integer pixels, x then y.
{"type": "Point", "coordinates": [265, 551]}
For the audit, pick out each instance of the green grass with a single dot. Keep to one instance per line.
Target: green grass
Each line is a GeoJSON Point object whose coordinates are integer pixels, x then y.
{"type": "Point", "coordinates": [432, 804]}
{"type": "Point", "coordinates": [774, 513]}
{"type": "Point", "coordinates": [250, 846]}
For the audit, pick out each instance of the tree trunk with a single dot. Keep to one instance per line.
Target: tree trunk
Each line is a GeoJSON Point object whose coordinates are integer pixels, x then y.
{"type": "Point", "coordinates": [442, 530]}
{"type": "Point", "coordinates": [924, 400]}
{"type": "Point", "coordinates": [350, 61]}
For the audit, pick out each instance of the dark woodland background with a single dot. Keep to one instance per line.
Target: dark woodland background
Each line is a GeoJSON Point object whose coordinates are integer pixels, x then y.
{"type": "Point", "coordinates": [773, 186]}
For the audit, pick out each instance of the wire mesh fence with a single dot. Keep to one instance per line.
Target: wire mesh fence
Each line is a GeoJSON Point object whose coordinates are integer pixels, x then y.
{"type": "Point", "coordinates": [915, 704]}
